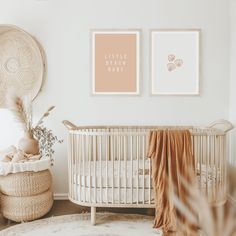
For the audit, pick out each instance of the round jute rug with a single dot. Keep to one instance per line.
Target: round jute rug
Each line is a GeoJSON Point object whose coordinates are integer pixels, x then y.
{"type": "Point", "coordinates": [107, 224]}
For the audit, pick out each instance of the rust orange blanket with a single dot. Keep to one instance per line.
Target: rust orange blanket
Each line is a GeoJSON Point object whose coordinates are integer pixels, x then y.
{"type": "Point", "coordinates": [172, 159]}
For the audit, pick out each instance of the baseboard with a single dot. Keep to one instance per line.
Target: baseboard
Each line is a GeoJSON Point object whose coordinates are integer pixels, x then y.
{"type": "Point", "coordinates": [60, 196]}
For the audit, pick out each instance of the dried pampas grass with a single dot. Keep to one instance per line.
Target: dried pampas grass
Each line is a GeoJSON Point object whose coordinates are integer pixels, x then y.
{"type": "Point", "coordinates": [208, 220]}
{"type": "Point", "coordinates": [46, 114]}
{"type": "Point", "coordinates": [21, 108]}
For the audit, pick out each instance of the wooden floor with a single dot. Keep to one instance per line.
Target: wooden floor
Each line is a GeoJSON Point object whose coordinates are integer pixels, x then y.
{"type": "Point", "coordinates": [64, 207]}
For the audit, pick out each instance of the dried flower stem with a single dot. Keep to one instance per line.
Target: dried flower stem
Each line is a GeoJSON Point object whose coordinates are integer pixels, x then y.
{"type": "Point", "coordinates": [46, 114]}
{"type": "Point", "coordinates": [21, 108]}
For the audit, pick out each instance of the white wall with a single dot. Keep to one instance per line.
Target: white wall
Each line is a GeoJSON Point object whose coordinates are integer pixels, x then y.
{"type": "Point", "coordinates": [62, 27]}
{"type": "Point", "coordinates": [232, 104]}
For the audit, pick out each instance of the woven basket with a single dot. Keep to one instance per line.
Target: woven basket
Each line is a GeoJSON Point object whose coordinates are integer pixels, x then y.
{"type": "Point", "coordinates": [26, 183]}
{"type": "Point", "coordinates": [22, 209]}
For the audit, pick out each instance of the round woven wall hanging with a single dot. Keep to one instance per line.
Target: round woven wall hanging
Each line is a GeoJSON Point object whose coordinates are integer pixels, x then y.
{"type": "Point", "coordinates": [22, 63]}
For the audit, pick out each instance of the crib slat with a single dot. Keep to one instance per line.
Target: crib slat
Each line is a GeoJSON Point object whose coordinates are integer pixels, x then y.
{"type": "Point", "coordinates": [224, 165]}
{"type": "Point", "coordinates": [78, 169]}
{"type": "Point", "coordinates": [112, 160]}
{"type": "Point", "coordinates": [149, 176]}
{"type": "Point", "coordinates": [201, 157]}
{"type": "Point", "coordinates": [210, 166]}
{"type": "Point", "coordinates": [69, 150]}
{"type": "Point", "coordinates": [194, 152]}
{"type": "Point", "coordinates": [197, 138]}
{"type": "Point", "coordinates": [143, 154]}
{"type": "Point", "coordinates": [71, 165]}
{"type": "Point", "coordinates": [215, 166]}
{"type": "Point", "coordinates": [89, 158]}
{"type": "Point", "coordinates": [207, 164]}
{"type": "Point", "coordinates": [131, 158]}
{"type": "Point", "coordinates": [107, 157]}
{"type": "Point", "coordinates": [75, 176]}
{"type": "Point", "coordinates": [221, 167]}
{"type": "Point", "coordinates": [119, 157]}
{"type": "Point", "coordinates": [83, 156]}
{"type": "Point", "coordinates": [125, 160]}
{"type": "Point", "coordinates": [94, 167]}
{"type": "Point", "coordinates": [137, 159]}
{"type": "Point", "coordinates": [100, 158]}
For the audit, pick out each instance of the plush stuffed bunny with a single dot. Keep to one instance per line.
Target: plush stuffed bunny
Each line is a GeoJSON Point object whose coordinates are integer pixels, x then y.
{"type": "Point", "coordinates": [7, 154]}
{"type": "Point", "coordinates": [12, 154]}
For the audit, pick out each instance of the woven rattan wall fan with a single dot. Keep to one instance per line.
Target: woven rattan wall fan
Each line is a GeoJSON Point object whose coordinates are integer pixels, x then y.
{"type": "Point", "coordinates": [22, 63]}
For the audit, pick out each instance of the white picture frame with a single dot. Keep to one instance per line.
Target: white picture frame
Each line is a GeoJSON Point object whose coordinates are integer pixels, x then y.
{"type": "Point", "coordinates": [112, 49]}
{"type": "Point", "coordinates": [175, 62]}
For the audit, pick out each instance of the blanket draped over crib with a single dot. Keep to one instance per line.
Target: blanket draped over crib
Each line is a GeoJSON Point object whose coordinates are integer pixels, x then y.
{"type": "Point", "coordinates": [172, 159]}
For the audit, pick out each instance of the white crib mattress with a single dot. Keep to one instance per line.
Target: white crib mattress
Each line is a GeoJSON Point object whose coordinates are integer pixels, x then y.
{"type": "Point", "coordinates": [129, 174]}
{"type": "Point", "coordinates": [106, 174]}
{"type": "Point", "coordinates": [124, 182]}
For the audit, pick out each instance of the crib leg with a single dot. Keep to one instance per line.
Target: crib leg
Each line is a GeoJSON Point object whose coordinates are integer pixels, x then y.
{"type": "Point", "coordinates": [93, 215]}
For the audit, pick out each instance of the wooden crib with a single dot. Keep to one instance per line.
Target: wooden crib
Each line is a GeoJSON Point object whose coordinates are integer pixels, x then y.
{"type": "Point", "coordinates": [109, 167]}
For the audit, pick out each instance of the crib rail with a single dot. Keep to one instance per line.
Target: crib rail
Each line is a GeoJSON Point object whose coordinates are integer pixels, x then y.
{"type": "Point", "coordinates": [108, 165]}
{"type": "Point", "coordinates": [217, 127]}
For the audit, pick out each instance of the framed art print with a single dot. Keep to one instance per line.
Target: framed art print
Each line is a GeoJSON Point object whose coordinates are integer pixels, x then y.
{"type": "Point", "coordinates": [115, 61]}
{"type": "Point", "coordinates": [175, 62]}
